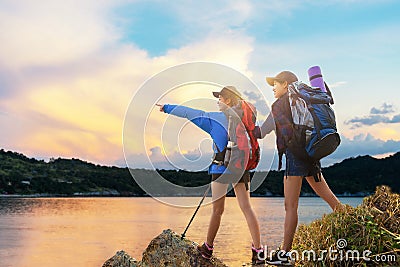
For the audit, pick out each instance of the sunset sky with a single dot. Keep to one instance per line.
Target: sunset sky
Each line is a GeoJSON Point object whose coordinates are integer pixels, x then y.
{"type": "Point", "coordinates": [69, 69]}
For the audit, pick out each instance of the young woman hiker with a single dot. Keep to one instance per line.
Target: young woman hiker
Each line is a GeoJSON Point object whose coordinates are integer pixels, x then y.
{"type": "Point", "coordinates": [215, 124]}
{"type": "Point", "coordinates": [280, 120]}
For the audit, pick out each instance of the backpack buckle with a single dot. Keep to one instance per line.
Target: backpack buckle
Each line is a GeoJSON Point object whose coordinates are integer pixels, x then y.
{"type": "Point", "coordinates": [218, 162]}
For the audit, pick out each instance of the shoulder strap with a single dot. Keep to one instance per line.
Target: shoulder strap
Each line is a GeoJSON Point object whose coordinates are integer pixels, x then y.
{"type": "Point", "coordinates": [328, 91]}
{"type": "Point", "coordinates": [220, 155]}
{"type": "Point", "coordinates": [216, 147]}
{"type": "Point", "coordinates": [249, 115]}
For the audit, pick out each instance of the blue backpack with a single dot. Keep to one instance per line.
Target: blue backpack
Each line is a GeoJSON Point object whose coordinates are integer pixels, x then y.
{"type": "Point", "coordinates": [314, 124]}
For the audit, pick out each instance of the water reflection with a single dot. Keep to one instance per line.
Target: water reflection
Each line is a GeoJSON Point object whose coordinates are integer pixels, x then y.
{"type": "Point", "coordinates": [87, 231]}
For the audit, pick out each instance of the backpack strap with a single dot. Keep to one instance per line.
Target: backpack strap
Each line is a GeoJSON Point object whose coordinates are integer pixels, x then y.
{"type": "Point", "coordinates": [315, 76]}
{"type": "Point", "coordinates": [328, 91]}
{"type": "Point", "coordinates": [219, 156]}
{"type": "Point", "coordinates": [317, 176]}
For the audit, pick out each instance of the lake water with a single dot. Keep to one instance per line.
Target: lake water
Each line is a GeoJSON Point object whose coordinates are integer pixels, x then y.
{"type": "Point", "coordinates": [61, 232]}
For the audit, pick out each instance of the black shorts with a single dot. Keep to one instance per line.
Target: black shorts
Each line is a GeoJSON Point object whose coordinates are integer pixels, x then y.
{"type": "Point", "coordinates": [225, 178]}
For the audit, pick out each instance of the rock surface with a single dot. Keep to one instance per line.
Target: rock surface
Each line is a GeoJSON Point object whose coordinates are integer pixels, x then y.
{"type": "Point", "coordinates": [167, 249]}
{"type": "Point", "coordinates": [121, 259]}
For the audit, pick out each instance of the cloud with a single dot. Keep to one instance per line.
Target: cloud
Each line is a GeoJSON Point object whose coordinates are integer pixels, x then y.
{"type": "Point", "coordinates": [368, 120]}
{"type": "Point", "coordinates": [384, 109]}
{"type": "Point", "coordinates": [258, 101]}
{"type": "Point", "coordinates": [337, 84]}
{"type": "Point", "coordinates": [396, 119]}
{"type": "Point", "coordinates": [67, 77]}
{"type": "Point", "coordinates": [215, 17]}
{"type": "Point", "coordinates": [52, 32]}
{"type": "Point", "coordinates": [215, 48]}
{"type": "Point", "coordinates": [71, 102]}
{"type": "Point", "coordinates": [376, 116]}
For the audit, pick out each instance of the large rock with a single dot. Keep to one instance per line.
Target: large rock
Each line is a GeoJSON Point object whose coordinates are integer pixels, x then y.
{"type": "Point", "coordinates": [167, 249]}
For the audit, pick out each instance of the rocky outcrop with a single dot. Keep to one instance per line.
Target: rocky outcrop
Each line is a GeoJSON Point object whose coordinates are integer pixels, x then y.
{"type": "Point", "coordinates": [167, 249]}
{"type": "Point", "coordinates": [121, 259]}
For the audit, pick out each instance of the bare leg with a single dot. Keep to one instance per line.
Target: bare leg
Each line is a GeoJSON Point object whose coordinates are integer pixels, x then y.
{"type": "Point", "coordinates": [292, 187]}
{"type": "Point", "coordinates": [322, 189]}
{"type": "Point", "coordinates": [243, 198]}
{"type": "Point", "coordinates": [218, 194]}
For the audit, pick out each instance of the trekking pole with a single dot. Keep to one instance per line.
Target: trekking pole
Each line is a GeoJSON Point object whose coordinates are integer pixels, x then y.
{"type": "Point", "coordinates": [198, 207]}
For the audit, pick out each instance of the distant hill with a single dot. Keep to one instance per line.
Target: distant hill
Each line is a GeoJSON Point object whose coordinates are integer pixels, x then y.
{"type": "Point", "coordinates": [364, 173]}
{"type": "Point", "coordinates": [73, 177]}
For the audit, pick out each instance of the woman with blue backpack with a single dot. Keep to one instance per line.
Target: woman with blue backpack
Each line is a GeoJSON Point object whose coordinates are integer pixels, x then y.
{"type": "Point", "coordinates": [280, 119]}
{"type": "Point", "coordinates": [216, 124]}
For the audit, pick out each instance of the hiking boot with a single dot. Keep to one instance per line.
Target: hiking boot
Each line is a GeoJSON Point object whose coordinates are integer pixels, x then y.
{"type": "Point", "coordinates": [258, 256]}
{"type": "Point", "coordinates": [205, 250]}
{"type": "Point", "coordinates": [280, 258]}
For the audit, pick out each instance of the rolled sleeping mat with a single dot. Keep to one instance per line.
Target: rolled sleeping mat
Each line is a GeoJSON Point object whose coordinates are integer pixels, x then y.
{"type": "Point", "coordinates": [315, 77]}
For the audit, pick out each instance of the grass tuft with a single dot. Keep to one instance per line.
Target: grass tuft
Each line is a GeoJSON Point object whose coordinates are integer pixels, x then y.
{"type": "Point", "coordinates": [368, 235]}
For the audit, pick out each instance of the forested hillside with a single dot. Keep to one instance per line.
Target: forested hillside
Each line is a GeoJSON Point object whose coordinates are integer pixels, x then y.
{"type": "Point", "coordinates": [67, 177]}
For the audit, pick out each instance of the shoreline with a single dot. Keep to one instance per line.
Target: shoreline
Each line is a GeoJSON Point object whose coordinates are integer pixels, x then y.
{"type": "Point", "coordinates": [44, 195]}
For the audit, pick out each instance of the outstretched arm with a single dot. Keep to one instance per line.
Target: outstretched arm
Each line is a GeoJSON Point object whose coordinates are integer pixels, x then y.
{"type": "Point", "coordinates": [198, 117]}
